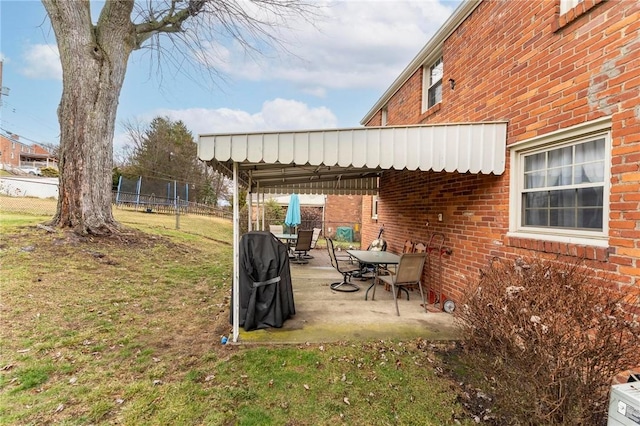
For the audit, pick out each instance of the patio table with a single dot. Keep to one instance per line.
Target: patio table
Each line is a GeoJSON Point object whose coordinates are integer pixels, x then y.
{"type": "Point", "coordinates": [376, 258]}
{"type": "Point", "coordinates": [287, 238]}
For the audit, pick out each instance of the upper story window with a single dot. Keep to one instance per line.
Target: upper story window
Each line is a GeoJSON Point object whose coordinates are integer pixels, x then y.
{"type": "Point", "coordinates": [567, 5]}
{"type": "Point", "coordinates": [432, 84]}
{"type": "Point", "coordinates": [383, 119]}
{"type": "Point", "coordinates": [560, 188]}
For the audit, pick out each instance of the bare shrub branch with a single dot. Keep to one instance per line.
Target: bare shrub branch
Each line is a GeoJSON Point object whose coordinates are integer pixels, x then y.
{"type": "Point", "coordinates": [552, 335]}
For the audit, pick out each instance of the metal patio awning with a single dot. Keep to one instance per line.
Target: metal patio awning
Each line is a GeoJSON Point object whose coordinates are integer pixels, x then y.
{"type": "Point", "coordinates": [345, 161]}
{"type": "Point", "coordinates": [349, 161]}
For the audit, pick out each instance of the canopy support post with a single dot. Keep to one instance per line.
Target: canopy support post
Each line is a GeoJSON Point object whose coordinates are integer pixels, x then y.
{"type": "Point", "coordinates": [250, 207]}
{"type": "Point", "coordinates": [260, 208]}
{"type": "Point", "coordinates": [236, 256]}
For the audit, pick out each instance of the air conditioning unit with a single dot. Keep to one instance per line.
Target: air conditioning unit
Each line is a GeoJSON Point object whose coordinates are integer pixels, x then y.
{"type": "Point", "coordinates": [624, 405]}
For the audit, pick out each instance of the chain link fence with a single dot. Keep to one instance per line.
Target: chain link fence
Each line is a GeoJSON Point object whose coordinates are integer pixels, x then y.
{"type": "Point", "coordinates": [47, 207]}
{"type": "Point", "coordinates": [38, 196]}
{"type": "Point", "coordinates": [28, 205]}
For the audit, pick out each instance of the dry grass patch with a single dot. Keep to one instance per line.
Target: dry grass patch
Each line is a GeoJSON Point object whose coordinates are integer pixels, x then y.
{"type": "Point", "coordinates": [126, 330]}
{"type": "Point", "coordinates": [84, 319]}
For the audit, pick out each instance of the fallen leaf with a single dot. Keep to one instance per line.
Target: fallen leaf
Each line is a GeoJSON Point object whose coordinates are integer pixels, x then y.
{"type": "Point", "coordinates": [346, 400]}
{"type": "Point", "coordinates": [59, 408]}
{"type": "Point", "coordinates": [306, 386]}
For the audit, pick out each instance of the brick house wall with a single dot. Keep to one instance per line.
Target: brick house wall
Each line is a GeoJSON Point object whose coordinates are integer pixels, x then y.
{"type": "Point", "coordinates": [11, 151]}
{"type": "Point", "coordinates": [7, 148]}
{"type": "Point", "coordinates": [343, 210]}
{"type": "Point", "coordinates": [523, 63]}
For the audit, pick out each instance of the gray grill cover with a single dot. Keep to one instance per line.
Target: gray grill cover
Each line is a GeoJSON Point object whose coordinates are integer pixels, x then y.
{"type": "Point", "coordinates": [266, 294]}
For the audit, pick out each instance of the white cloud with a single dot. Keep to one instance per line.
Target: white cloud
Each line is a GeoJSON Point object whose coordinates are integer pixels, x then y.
{"type": "Point", "coordinates": [356, 44]}
{"type": "Point", "coordinates": [277, 114]}
{"type": "Point", "coordinates": [42, 62]}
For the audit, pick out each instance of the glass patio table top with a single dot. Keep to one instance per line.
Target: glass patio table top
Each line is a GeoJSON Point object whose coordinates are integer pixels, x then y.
{"type": "Point", "coordinates": [374, 257]}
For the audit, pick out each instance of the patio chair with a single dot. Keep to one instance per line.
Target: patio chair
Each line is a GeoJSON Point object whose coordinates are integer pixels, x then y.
{"type": "Point", "coordinates": [419, 248]}
{"type": "Point", "coordinates": [345, 267]}
{"type": "Point", "coordinates": [276, 229]}
{"type": "Point", "coordinates": [367, 271]}
{"type": "Point", "coordinates": [409, 272]}
{"type": "Point", "coordinates": [314, 241]}
{"type": "Point", "coordinates": [302, 247]}
{"type": "Point", "coordinates": [406, 248]}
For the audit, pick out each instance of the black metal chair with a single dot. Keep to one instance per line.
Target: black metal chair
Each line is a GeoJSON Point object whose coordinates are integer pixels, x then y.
{"type": "Point", "coordinates": [314, 241]}
{"type": "Point", "coordinates": [302, 247]}
{"type": "Point", "coordinates": [345, 267]}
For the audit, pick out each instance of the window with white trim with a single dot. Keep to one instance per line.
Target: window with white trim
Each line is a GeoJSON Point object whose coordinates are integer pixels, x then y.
{"type": "Point", "coordinates": [567, 5]}
{"type": "Point", "coordinates": [432, 84]}
{"type": "Point", "coordinates": [561, 188]}
{"type": "Point", "coordinates": [374, 207]}
{"type": "Point", "coordinates": [383, 118]}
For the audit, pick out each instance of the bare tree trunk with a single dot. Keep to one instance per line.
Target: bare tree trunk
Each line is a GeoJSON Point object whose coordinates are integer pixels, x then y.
{"type": "Point", "coordinates": [94, 61]}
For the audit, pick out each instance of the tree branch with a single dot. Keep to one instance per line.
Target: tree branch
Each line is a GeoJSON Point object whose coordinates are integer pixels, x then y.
{"type": "Point", "coordinates": [170, 23]}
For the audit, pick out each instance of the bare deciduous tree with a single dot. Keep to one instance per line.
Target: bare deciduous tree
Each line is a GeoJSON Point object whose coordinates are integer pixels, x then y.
{"type": "Point", "coordinates": [94, 59]}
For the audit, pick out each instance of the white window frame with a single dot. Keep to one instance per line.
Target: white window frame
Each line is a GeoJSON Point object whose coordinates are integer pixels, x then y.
{"type": "Point", "coordinates": [374, 207]}
{"type": "Point", "coordinates": [428, 85]}
{"type": "Point", "coordinates": [385, 113]}
{"type": "Point", "coordinates": [567, 5]}
{"type": "Point", "coordinates": [596, 129]}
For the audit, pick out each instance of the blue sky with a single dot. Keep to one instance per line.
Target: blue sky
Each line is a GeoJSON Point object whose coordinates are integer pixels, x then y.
{"type": "Point", "coordinates": [333, 73]}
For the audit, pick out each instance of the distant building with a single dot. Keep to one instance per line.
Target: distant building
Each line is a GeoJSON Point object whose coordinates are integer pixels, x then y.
{"type": "Point", "coordinates": [15, 154]}
{"type": "Point", "coordinates": [335, 211]}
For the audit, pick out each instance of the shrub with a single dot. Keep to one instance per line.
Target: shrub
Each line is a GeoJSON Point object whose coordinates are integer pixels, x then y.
{"type": "Point", "coordinates": [49, 172]}
{"type": "Point", "coordinates": [550, 336]}
{"type": "Point", "coordinates": [273, 213]}
{"type": "Point", "coordinates": [311, 217]}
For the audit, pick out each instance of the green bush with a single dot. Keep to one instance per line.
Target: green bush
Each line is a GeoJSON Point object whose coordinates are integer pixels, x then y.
{"type": "Point", "coordinates": [549, 337]}
{"type": "Point", "coordinates": [49, 172]}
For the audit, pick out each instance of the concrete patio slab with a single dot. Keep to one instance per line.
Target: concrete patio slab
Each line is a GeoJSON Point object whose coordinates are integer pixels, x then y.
{"type": "Point", "coordinates": [323, 315]}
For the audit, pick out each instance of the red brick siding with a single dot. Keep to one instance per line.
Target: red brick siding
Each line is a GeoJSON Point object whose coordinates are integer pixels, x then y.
{"type": "Point", "coordinates": [369, 224]}
{"type": "Point", "coordinates": [342, 210]}
{"type": "Point", "coordinates": [6, 148]}
{"type": "Point", "coordinates": [513, 61]}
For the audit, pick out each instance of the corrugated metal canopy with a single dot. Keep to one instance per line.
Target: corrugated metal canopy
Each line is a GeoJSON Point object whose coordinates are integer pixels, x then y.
{"type": "Point", "coordinates": [349, 161]}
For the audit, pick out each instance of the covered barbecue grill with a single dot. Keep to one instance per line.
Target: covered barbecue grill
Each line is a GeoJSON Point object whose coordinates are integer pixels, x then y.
{"type": "Point", "coordinates": [265, 291]}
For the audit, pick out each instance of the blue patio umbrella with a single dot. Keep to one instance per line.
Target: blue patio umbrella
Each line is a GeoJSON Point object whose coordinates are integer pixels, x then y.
{"type": "Point", "coordinates": [293, 212]}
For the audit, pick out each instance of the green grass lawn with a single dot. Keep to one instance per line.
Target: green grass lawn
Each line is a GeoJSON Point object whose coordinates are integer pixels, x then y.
{"type": "Point", "coordinates": [127, 331]}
